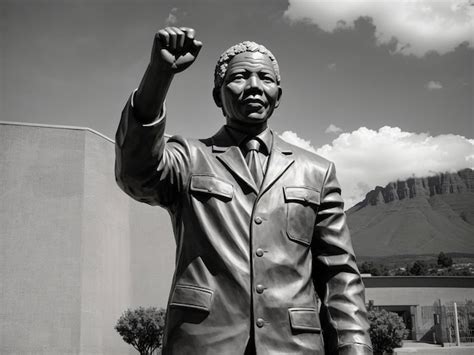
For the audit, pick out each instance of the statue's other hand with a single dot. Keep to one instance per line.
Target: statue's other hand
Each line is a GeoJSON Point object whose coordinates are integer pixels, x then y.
{"type": "Point", "coordinates": [175, 49]}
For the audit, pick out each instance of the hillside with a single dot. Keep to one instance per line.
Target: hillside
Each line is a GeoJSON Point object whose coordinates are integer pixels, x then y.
{"type": "Point", "coordinates": [416, 216]}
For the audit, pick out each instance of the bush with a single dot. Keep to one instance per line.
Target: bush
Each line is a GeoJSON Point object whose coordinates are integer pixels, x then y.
{"type": "Point", "coordinates": [368, 267]}
{"type": "Point", "coordinates": [142, 328]}
{"type": "Point", "coordinates": [419, 268]}
{"type": "Point", "coordinates": [444, 260]}
{"type": "Point", "coordinates": [387, 330]}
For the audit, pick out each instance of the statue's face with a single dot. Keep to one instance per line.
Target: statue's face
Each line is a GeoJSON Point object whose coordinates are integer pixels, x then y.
{"type": "Point", "coordinates": [250, 92]}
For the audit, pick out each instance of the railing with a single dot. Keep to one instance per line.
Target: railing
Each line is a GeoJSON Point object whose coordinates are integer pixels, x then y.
{"type": "Point", "coordinates": [465, 317]}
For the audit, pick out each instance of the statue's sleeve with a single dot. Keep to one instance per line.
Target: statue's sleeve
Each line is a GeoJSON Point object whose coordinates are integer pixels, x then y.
{"type": "Point", "coordinates": [336, 277]}
{"type": "Point", "coordinates": [148, 167]}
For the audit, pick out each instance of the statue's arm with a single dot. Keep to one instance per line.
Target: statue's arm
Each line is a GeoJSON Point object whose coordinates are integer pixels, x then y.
{"type": "Point", "coordinates": [147, 167]}
{"type": "Point", "coordinates": [336, 277]}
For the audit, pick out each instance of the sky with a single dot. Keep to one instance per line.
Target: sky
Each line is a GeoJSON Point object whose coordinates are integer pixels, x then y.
{"type": "Point", "coordinates": [382, 88]}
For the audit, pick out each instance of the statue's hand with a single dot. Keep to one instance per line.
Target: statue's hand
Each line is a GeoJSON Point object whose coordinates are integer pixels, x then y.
{"type": "Point", "coordinates": [175, 49]}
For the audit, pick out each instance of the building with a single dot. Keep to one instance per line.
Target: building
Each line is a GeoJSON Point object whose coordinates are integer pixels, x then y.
{"type": "Point", "coordinates": [75, 251]}
{"type": "Point", "coordinates": [425, 303]}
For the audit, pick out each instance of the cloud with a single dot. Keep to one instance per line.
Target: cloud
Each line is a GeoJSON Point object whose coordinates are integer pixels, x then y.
{"type": "Point", "coordinates": [433, 85]}
{"type": "Point", "coordinates": [332, 66]}
{"type": "Point", "coordinates": [292, 137]}
{"type": "Point", "coordinates": [172, 19]}
{"type": "Point", "coordinates": [333, 129]}
{"type": "Point", "coordinates": [366, 158]}
{"type": "Point", "coordinates": [419, 25]}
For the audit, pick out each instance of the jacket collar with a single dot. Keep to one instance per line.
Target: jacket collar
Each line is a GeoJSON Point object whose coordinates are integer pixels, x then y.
{"type": "Point", "coordinates": [265, 138]}
{"type": "Point", "coordinates": [281, 158]}
{"type": "Point", "coordinates": [229, 154]}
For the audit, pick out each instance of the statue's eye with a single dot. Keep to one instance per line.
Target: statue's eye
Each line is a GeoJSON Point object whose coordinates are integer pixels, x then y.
{"type": "Point", "coordinates": [267, 78]}
{"type": "Point", "coordinates": [237, 76]}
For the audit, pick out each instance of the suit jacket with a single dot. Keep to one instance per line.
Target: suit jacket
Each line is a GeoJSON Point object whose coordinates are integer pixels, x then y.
{"type": "Point", "coordinates": [249, 261]}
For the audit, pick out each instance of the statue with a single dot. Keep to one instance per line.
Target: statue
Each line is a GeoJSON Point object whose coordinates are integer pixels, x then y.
{"type": "Point", "coordinates": [264, 261]}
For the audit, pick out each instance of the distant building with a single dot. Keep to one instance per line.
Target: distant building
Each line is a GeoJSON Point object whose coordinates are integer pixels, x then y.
{"type": "Point", "coordinates": [425, 303]}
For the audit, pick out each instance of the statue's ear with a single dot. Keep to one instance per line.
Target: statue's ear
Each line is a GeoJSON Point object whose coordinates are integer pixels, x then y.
{"type": "Point", "coordinates": [216, 94]}
{"type": "Point", "coordinates": [280, 92]}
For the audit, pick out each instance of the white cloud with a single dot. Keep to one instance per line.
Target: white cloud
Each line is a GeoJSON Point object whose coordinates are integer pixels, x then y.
{"type": "Point", "coordinates": [366, 158]}
{"type": "Point", "coordinates": [172, 19]}
{"type": "Point", "coordinates": [419, 25]}
{"type": "Point", "coordinates": [292, 137]}
{"type": "Point", "coordinates": [332, 66]}
{"type": "Point", "coordinates": [333, 129]}
{"type": "Point", "coordinates": [433, 85]}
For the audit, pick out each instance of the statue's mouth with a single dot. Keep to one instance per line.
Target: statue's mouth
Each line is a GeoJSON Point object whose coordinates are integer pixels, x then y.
{"type": "Point", "coordinates": [254, 102]}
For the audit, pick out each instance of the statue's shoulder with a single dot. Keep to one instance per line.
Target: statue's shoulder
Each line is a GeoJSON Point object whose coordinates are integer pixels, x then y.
{"type": "Point", "coordinates": [192, 142]}
{"type": "Point", "coordinates": [301, 154]}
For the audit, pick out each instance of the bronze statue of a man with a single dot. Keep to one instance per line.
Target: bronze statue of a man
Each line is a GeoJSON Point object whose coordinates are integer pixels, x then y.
{"type": "Point", "coordinates": [259, 223]}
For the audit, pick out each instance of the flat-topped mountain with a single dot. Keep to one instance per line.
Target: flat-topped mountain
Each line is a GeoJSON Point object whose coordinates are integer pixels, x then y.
{"type": "Point", "coordinates": [416, 216]}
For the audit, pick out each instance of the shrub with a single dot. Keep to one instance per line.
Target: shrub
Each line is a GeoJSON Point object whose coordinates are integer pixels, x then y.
{"type": "Point", "coordinates": [142, 328]}
{"type": "Point", "coordinates": [387, 330]}
{"type": "Point", "coordinates": [444, 260]}
{"type": "Point", "coordinates": [419, 268]}
{"type": "Point", "coordinates": [368, 267]}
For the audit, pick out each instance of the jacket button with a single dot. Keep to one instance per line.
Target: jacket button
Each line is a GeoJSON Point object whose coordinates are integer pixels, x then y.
{"type": "Point", "coordinates": [260, 288]}
{"type": "Point", "coordinates": [260, 322]}
{"type": "Point", "coordinates": [259, 252]}
{"type": "Point", "coordinates": [258, 220]}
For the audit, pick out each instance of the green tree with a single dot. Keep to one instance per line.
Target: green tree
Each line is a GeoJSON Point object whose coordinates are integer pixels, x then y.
{"type": "Point", "coordinates": [142, 328]}
{"type": "Point", "coordinates": [387, 330]}
{"type": "Point", "coordinates": [418, 268]}
{"type": "Point", "coordinates": [444, 260]}
{"type": "Point", "coordinates": [368, 267]}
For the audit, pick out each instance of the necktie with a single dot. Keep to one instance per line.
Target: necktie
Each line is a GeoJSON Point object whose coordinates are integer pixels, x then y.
{"type": "Point", "coordinates": [253, 161]}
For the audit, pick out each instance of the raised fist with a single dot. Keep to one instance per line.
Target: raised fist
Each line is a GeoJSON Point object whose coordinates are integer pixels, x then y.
{"type": "Point", "coordinates": [175, 49]}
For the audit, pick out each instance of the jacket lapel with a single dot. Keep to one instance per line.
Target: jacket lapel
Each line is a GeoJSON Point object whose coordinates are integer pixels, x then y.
{"type": "Point", "coordinates": [231, 156]}
{"type": "Point", "coordinates": [280, 160]}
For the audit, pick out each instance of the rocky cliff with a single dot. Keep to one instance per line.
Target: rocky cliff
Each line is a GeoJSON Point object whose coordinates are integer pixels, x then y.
{"type": "Point", "coordinates": [441, 184]}
{"type": "Point", "coordinates": [416, 216]}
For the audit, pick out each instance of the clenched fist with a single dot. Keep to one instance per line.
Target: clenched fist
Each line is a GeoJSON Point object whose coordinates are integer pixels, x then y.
{"type": "Point", "coordinates": [175, 49]}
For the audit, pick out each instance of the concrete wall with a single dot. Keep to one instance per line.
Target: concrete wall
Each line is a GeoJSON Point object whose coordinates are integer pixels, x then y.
{"type": "Point", "coordinates": [152, 254]}
{"type": "Point", "coordinates": [417, 295]}
{"type": "Point", "coordinates": [105, 251]}
{"type": "Point", "coordinates": [41, 193]}
{"type": "Point", "coordinates": [420, 291]}
{"type": "Point", "coordinates": [67, 256]}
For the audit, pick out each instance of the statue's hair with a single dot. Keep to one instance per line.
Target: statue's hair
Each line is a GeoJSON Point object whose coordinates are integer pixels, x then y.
{"type": "Point", "coordinates": [226, 57]}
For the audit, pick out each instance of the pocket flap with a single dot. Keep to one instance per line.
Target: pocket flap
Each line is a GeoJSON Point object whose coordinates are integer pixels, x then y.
{"type": "Point", "coordinates": [302, 194]}
{"type": "Point", "coordinates": [212, 185]}
{"type": "Point", "coordinates": [305, 319]}
{"type": "Point", "coordinates": [192, 297]}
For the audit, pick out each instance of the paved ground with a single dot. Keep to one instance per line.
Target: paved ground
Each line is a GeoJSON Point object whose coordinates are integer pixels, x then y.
{"type": "Point", "coordinates": [432, 349]}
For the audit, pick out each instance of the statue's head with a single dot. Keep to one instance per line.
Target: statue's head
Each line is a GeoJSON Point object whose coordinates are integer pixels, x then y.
{"type": "Point", "coordinates": [247, 84]}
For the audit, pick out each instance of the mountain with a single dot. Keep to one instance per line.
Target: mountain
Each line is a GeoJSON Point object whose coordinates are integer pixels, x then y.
{"type": "Point", "coordinates": [416, 216]}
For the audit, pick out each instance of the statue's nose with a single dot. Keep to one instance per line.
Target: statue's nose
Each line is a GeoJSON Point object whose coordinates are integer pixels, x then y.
{"type": "Point", "coordinates": [254, 82]}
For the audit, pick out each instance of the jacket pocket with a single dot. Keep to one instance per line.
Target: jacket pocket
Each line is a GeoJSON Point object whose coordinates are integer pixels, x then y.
{"type": "Point", "coordinates": [302, 205]}
{"type": "Point", "coordinates": [211, 186]}
{"type": "Point", "coordinates": [304, 320]}
{"type": "Point", "coordinates": [189, 296]}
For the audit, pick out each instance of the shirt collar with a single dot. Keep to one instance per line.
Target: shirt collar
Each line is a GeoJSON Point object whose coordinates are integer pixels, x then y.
{"type": "Point", "coordinates": [265, 138]}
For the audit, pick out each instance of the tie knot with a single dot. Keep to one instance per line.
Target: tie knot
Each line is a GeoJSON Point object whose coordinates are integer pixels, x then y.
{"type": "Point", "coordinates": [252, 144]}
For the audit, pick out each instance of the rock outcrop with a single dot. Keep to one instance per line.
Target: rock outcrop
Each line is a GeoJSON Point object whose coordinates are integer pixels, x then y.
{"type": "Point", "coordinates": [441, 184]}
{"type": "Point", "coordinates": [416, 216]}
